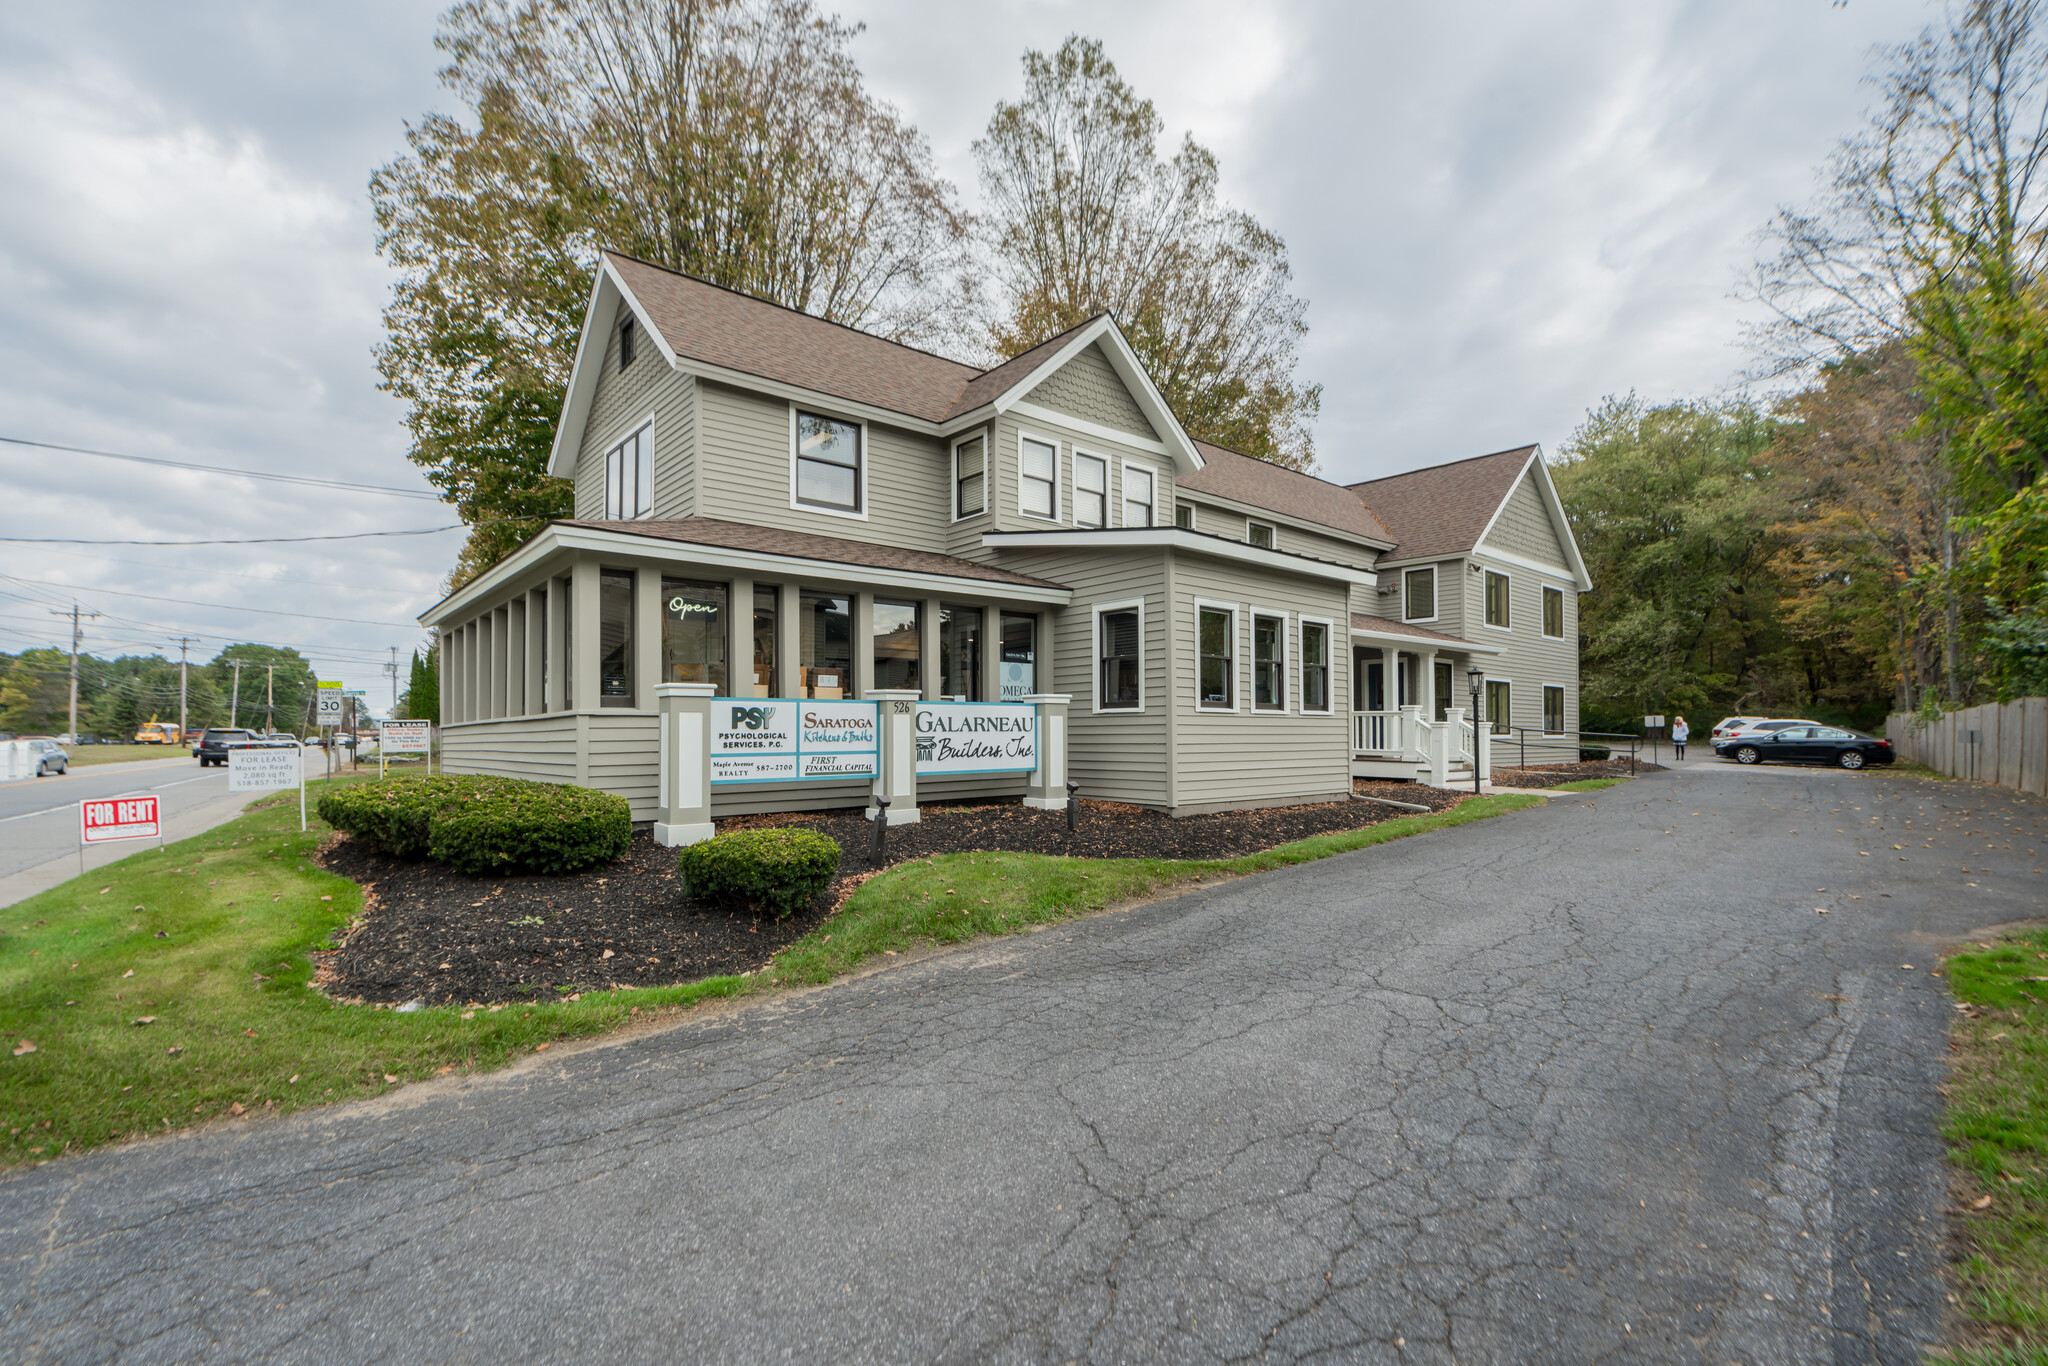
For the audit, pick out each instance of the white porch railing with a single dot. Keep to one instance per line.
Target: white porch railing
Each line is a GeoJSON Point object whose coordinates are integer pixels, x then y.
{"type": "Point", "coordinates": [1376, 732]}
{"type": "Point", "coordinates": [1433, 746]}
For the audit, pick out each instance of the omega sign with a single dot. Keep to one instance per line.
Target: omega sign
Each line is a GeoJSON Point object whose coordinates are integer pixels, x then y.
{"type": "Point", "coordinates": [976, 737]}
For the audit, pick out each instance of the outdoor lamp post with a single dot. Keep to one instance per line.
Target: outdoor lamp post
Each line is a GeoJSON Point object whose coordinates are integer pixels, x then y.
{"type": "Point", "coordinates": [1477, 675]}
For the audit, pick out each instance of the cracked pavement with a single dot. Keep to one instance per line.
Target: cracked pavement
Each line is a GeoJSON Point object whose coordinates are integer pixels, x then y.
{"type": "Point", "coordinates": [1586, 1083]}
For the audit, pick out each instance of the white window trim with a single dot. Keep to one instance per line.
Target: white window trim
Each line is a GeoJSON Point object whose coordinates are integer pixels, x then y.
{"type": "Point", "coordinates": [1485, 689]}
{"type": "Point", "coordinates": [1252, 614]}
{"type": "Point", "coordinates": [1110, 502]}
{"type": "Point", "coordinates": [1483, 572]}
{"type": "Point", "coordinates": [645, 424]}
{"type": "Point", "coordinates": [1543, 592]}
{"type": "Point", "coordinates": [1178, 504]}
{"type": "Point", "coordinates": [1329, 665]}
{"type": "Point", "coordinates": [1436, 592]}
{"type": "Point", "coordinates": [988, 471]}
{"type": "Point", "coordinates": [1236, 657]}
{"type": "Point", "coordinates": [1095, 656]}
{"type": "Point", "coordinates": [1272, 534]}
{"type": "Point", "coordinates": [1124, 477]}
{"type": "Point", "coordinates": [1547, 687]}
{"type": "Point", "coordinates": [1057, 460]}
{"type": "Point", "coordinates": [866, 459]}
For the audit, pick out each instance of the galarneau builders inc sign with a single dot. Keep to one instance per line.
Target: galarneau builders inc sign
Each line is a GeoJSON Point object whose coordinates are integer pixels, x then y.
{"type": "Point", "coordinates": [976, 737]}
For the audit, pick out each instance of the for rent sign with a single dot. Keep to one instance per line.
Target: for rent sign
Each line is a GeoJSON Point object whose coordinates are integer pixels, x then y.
{"type": "Point", "coordinates": [792, 739]}
{"type": "Point", "coordinates": [976, 737]}
{"type": "Point", "coordinates": [118, 818]}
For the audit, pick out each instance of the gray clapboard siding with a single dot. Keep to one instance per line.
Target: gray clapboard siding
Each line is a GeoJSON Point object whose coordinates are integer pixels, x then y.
{"type": "Point", "coordinates": [1213, 519]}
{"type": "Point", "coordinates": [1248, 757]}
{"type": "Point", "coordinates": [542, 748]}
{"type": "Point", "coordinates": [1088, 387]}
{"type": "Point", "coordinates": [648, 388]}
{"type": "Point", "coordinates": [1530, 660]}
{"type": "Point", "coordinates": [1004, 514]}
{"type": "Point", "coordinates": [744, 474]}
{"type": "Point", "coordinates": [1525, 528]}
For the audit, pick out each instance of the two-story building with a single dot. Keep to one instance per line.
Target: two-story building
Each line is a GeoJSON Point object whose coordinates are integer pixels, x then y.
{"type": "Point", "coordinates": [778, 506]}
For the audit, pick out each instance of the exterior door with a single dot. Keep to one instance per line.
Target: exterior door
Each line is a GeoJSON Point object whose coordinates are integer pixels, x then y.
{"type": "Point", "coordinates": [1443, 689]}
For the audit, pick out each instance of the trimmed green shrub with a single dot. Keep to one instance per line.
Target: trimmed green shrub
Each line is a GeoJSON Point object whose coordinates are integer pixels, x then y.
{"type": "Point", "coordinates": [481, 823]}
{"type": "Point", "coordinates": [780, 870]}
{"type": "Point", "coordinates": [1589, 753]}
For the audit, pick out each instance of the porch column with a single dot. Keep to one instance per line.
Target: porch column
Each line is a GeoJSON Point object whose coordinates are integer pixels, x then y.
{"type": "Point", "coordinates": [536, 650]}
{"type": "Point", "coordinates": [446, 668]}
{"type": "Point", "coordinates": [1482, 746]}
{"type": "Point", "coordinates": [863, 643]}
{"type": "Point", "coordinates": [649, 611]}
{"type": "Point", "coordinates": [515, 656]}
{"type": "Point", "coordinates": [1043, 677]}
{"type": "Point", "coordinates": [465, 686]}
{"type": "Point", "coordinates": [557, 653]}
{"type": "Point", "coordinates": [896, 766]}
{"type": "Point", "coordinates": [789, 641]}
{"type": "Point", "coordinates": [682, 809]}
{"type": "Point", "coordinates": [930, 680]}
{"type": "Point", "coordinates": [1046, 789]}
{"type": "Point", "coordinates": [739, 638]}
{"type": "Point", "coordinates": [583, 647]}
{"type": "Point", "coordinates": [991, 652]}
{"type": "Point", "coordinates": [1425, 668]}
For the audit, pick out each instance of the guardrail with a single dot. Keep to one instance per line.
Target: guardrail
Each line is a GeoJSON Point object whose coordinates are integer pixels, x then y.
{"type": "Point", "coordinates": [1524, 744]}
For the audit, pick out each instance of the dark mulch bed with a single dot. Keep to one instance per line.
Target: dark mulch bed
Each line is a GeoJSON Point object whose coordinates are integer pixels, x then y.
{"type": "Point", "coordinates": [433, 934]}
{"type": "Point", "coordinates": [1550, 775]}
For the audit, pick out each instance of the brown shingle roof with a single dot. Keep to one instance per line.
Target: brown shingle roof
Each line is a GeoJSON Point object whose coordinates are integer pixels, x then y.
{"type": "Point", "coordinates": [705, 322]}
{"type": "Point", "coordinates": [1242, 479]}
{"type": "Point", "coordinates": [1365, 621]}
{"type": "Point", "coordinates": [1443, 509]}
{"type": "Point", "coordinates": [802, 545]}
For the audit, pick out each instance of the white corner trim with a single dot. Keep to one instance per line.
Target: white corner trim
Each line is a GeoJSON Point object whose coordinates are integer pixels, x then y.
{"type": "Point", "coordinates": [1084, 427]}
{"type": "Point", "coordinates": [1236, 688]}
{"type": "Point", "coordinates": [859, 514]}
{"type": "Point", "coordinates": [1095, 655]}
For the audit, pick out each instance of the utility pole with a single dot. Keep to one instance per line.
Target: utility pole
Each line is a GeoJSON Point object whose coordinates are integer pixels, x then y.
{"type": "Point", "coordinates": [269, 697]}
{"type": "Point", "coordinates": [75, 613]}
{"type": "Point", "coordinates": [392, 669]}
{"type": "Point", "coordinates": [184, 730]}
{"type": "Point", "coordinates": [235, 702]}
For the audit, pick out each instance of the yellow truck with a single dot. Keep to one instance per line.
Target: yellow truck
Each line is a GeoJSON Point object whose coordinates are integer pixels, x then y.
{"type": "Point", "coordinates": [155, 732]}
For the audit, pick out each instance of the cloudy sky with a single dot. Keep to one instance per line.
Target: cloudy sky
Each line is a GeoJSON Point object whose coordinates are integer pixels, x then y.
{"type": "Point", "coordinates": [1498, 211]}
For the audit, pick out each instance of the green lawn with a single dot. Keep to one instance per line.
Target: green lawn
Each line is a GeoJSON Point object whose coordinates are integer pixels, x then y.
{"type": "Point", "coordinates": [1997, 1132]}
{"type": "Point", "coordinates": [208, 942]}
{"type": "Point", "coordinates": [84, 755]}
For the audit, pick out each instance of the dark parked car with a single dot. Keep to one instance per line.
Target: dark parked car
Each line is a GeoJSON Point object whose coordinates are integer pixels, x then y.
{"type": "Point", "coordinates": [214, 744]}
{"type": "Point", "coordinates": [1808, 745]}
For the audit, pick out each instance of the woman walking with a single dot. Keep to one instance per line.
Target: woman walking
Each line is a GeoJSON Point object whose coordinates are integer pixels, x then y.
{"type": "Point", "coordinates": [1680, 732]}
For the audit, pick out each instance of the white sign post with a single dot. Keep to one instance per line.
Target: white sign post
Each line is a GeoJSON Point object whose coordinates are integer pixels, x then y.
{"type": "Point", "coordinates": [405, 737]}
{"type": "Point", "coordinates": [268, 770]}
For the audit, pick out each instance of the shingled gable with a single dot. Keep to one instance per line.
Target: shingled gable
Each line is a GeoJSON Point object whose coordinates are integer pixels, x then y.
{"type": "Point", "coordinates": [1274, 488]}
{"type": "Point", "coordinates": [1444, 509]}
{"type": "Point", "coordinates": [734, 337]}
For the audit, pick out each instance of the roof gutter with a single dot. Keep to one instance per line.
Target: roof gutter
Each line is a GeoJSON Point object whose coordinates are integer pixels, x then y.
{"type": "Point", "coordinates": [1176, 538]}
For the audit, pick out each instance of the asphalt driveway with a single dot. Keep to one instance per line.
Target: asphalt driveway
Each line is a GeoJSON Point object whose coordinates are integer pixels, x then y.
{"type": "Point", "coordinates": [1584, 1083]}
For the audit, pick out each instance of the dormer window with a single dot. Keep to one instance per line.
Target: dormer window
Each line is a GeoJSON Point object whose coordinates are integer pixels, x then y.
{"type": "Point", "coordinates": [625, 343]}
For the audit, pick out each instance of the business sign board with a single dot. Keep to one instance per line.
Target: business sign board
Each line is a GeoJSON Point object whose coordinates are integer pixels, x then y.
{"type": "Point", "coordinates": [406, 737]}
{"type": "Point", "coordinates": [328, 713]}
{"type": "Point", "coordinates": [976, 737]}
{"type": "Point", "coordinates": [1653, 723]}
{"type": "Point", "coordinates": [262, 770]}
{"type": "Point", "coordinates": [792, 739]}
{"type": "Point", "coordinates": [118, 818]}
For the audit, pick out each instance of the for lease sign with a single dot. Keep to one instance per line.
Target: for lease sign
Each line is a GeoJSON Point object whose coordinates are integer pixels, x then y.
{"type": "Point", "coordinates": [406, 737]}
{"type": "Point", "coordinates": [976, 737]}
{"type": "Point", "coordinates": [790, 739]}
{"type": "Point", "coordinates": [262, 770]}
{"type": "Point", "coordinates": [118, 818]}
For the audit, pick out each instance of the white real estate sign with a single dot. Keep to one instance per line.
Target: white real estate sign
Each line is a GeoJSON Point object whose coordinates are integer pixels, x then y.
{"type": "Point", "coordinates": [406, 737]}
{"type": "Point", "coordinates": [976, 737]}
{"type": "Point", "coordinates": [792, 739]}
{"type": "Point", "coordinates": [262, 770]}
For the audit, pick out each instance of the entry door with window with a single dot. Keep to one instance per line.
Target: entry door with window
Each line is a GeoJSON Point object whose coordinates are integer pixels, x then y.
{"type": "Point", "coordinates": [1443, 689]}
{"type": "Point", "coordinates": [1370, 691]}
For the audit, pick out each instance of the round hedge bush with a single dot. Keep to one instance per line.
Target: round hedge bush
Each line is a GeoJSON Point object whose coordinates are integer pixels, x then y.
{"type": "Point", "coordinates": [780, 870]}
{"type": "Point", "coordinates": [480, 823]}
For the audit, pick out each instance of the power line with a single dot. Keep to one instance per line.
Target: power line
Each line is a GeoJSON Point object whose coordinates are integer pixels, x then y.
{"type": "Point", "coordinates": [224, 469]}
{"type": "Point", "coordinates": [213, 573]}
{"type": "Point", "coordinates": [250, 540]}
{"type": "Point", "coordinates": [218, 606]}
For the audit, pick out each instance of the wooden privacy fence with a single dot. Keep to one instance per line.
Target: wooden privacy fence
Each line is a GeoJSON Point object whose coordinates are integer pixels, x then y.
{"type": "Point", "coordinates": [2001, 742]}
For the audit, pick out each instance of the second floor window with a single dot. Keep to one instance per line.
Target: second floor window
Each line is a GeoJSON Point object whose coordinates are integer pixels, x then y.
{"type": "Point", "coordinates": [1418, 595]}
{"type": "Point", "coordinates": [1184, 516]}
{"type": "Point", "coordinates": [970, 464]}
{"type": "Point", "coordinates": [1091, 491]}
{"type": "Point", "coordinates": [828, 456]}
{"type": "Point", "coordinates": [1137, 496]}
{"type": "Point", "coordinates": [1038, 478]}
{"type": "Point", "coordinates": [1259, 534]}
{"type": "Point", "coordinates": [1496, 599]}
{"type": "Point", "coordinates": [1553, 613]}
{"type": "Point", "coordinates": [625, 343]}
{"type": "Point", "coordinates": [629, 477]}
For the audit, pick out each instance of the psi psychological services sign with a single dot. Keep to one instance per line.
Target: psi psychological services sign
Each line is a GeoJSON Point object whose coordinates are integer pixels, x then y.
{"type": "Point", "coordinates": [976, 737]}
{"type": "Point", "coordinates": [792, 739]}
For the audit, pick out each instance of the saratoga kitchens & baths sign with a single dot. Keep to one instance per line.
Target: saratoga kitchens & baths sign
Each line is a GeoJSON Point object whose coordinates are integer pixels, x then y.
{"type": "Point", "coordinates": [790, 739]}
{"type": "Point", "coordinates": [976, 737]}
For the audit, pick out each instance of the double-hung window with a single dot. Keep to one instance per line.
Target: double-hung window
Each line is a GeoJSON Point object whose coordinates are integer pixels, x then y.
{"type": "Point", "coordinates": [1553, 711]}
{"type": "Point", "coordinates": [1038, 478]}
{"type": "Point", "coordinates": [1216, 671]}
{"type": "Point", "coordinates": [1496, 599]}
{"type": "Point", "coordinates": [1315, 666]}
{"type": "Point", "coordinates": [1269, 663]}
{"type": "Point", "coordinates": [1091, 490]}
{"type": "Point", "coordinates": [1497, 697]}
{"type": "Point", "coordinates": [1137, 496]}
{"type": "Point", "coordinates": [629, 477]}
{"type": "Point", "coordinates": [1418, 595]}
{"type": "Point", "coordinates": [1119, 663]}
{"type": "Point", "coordinates": [970, 477]}
{"type": "Point", "coordinates": [1553, 613]}
{"type": "Point", "coordinates": [828, 463]}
